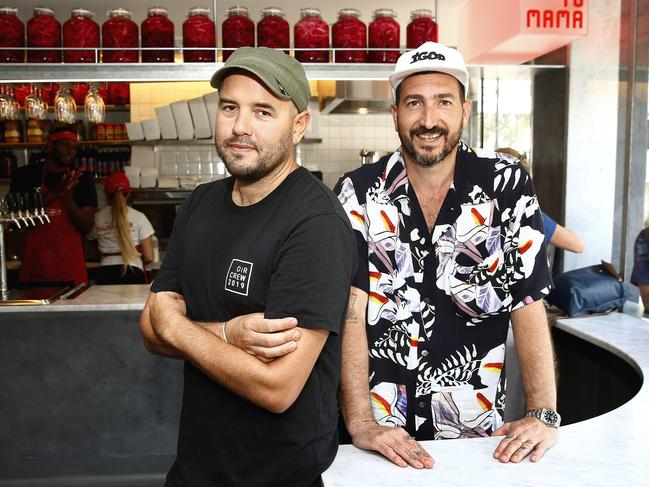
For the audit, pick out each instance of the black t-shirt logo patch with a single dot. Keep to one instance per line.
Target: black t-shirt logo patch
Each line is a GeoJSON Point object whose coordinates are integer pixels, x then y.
{"type": "Point", "coordinates": [238, 277]}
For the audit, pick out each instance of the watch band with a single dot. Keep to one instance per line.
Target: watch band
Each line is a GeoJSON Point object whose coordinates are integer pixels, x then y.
{"type": "Point", "coordinates": [548, 417]}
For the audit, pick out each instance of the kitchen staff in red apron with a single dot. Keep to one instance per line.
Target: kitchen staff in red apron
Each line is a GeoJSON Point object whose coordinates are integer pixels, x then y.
{"type": "Point", "coordinates": [53, 252]}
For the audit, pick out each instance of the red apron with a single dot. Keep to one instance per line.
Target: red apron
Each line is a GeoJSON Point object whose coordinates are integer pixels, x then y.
{"type": "Point", "coordinates": [54, 251]}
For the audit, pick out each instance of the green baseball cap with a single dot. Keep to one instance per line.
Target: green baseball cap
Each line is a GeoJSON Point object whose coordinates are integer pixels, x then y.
{"type": "Point", "coordinates": [283, 75]}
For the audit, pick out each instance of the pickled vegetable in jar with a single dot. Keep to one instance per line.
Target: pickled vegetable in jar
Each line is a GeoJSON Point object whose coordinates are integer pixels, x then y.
{"type": "Point", "coordinates": [311, 31]}
{"type": "Point", "coordinates": [43, 30]}
{"type": "Point", "coordinates": [199, 31]}
{"type": "Point", "coordinates": [79, 92]}
{"type": "Point", "coordinates": [118, 32]}
{"type": "Point", "coordinates": [238, 30]}
{"type": "Point", "coordinates": [349, 31]}
{"type": "Point", "coordinates": [12, 34]}
{"type": "Point", "coordinates": [119, 93]}
{"type": "Point", "coordinates": [384, 31]}
{"type": "Point", "coordinates": [422, 28]}
{"type": "Point", "coordinates": [273, 29]}
{"type": "Point", "coordinates": [80, 30]}
{"type": "Point", "coordinates": [157, 31]}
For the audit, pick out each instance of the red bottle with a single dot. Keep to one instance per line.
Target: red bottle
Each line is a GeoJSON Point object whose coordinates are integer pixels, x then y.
{"type": "Point", "coordinates": [238, 30]}
{"type": "Point", "coordinates": [12, 34]}
{"type": "Point", "coordinates": [422, 28]}
{"type": "Point", "coordinates": [81, 31]}
{"type": "Point", "coordinates": [384, 31]}
{"type": "Point", "coordinates": [157, 31]}
{"type": "Point", "coordinates": [119, 31]}
{"type": "Point", "coordinates": [43, 30]}
{"type": "Point", "coordinates": [311, 31]}
{"type": "Point", "coordinates": [349, 31]}
{"type": "Point", "coordinates": [273, 29]}
{"type": "Point", "coordinates": [199, 31]}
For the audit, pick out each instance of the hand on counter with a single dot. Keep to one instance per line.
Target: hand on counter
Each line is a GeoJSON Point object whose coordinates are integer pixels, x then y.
{"type": "Point", "coordinates": [266, 339]}
{"type": "Point", "coordinates": [525, 436]}
{"type": "Point", "coordinates": [393, 443]}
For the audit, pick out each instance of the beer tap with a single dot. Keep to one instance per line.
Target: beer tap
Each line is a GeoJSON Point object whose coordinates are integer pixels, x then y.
{"type": "Point", "coordinates": [24, 200]}
{"type": "Point", "coordinates": [39, 204]}
{"type": "Point", "coordinates": [13, 213]}
{"type": "Point", "coordinates": [33, 207]}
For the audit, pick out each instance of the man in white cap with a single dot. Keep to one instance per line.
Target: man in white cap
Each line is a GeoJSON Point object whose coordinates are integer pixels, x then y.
{"type": "Point", "coordinates": [450, 249]}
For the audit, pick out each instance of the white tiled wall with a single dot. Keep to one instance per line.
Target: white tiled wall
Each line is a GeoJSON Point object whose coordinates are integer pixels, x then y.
{"type": "Point", "coordinates": [343, 137]}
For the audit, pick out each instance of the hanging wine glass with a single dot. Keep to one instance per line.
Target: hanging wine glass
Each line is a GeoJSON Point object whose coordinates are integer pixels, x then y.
{"type": "Point", "coordinates": [5, 104]}
{"type": "Point", "coordinates": [32, 106]}
{"type": "Point", "coordinates": [94, 106]}
{"type": "Point", "coordinates": [64, 106]}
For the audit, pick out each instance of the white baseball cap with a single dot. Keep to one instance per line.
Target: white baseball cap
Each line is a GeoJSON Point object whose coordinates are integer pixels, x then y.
{"type": "Point", "coordinates": [430, 57]}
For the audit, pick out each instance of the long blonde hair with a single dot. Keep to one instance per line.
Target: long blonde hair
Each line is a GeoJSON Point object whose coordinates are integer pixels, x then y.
{"type": "Point", "coordinates": [120, 222]}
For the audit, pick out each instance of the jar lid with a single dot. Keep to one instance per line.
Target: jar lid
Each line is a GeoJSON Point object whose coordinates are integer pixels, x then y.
{"type": "Point", "coordinates": [421, 12]}
{"type": "Point", "coordinates": [156, 11]}
{"type": "Point", "coordinates": [43, 11]}
{"type": "Point", "coordinates": [310, 12]}
{"type": "Point", "coordinates": [198, 11]}
{"type": "Point", "coordinates": [272, 11]}
{"type": "Point", "coordinates": [81, 12]}
{"type": "Point", "coordinates": [347, 12]}
{"type": "Point", "coordinates": [237, 10]}
{"type": "Point", "coordinates": [7, 10]}
{"type": "Point", "coordinates": [384, 12]}
{"type": "Point", "coordinates": [120, 12]}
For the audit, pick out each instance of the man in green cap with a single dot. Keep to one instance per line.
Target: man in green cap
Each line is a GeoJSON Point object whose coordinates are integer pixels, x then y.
{"type": "Point", "coordinates": [269, 249]}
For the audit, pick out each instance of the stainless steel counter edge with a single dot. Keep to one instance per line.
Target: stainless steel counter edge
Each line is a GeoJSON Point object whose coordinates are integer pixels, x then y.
{"type": "Point", "coordinates": [606, 450]}
{"type": "Point", "coordinates": [95, 298]}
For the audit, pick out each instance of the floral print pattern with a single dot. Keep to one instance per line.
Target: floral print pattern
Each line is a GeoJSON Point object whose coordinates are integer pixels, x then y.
{"type": "Point", "coordinates": [439, 302]}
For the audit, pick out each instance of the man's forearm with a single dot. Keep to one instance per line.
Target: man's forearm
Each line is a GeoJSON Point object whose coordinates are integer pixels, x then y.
{"type": "Point", "coordinates": [536, 355]}
{"type": "Point", "coordinates": [354, 384]}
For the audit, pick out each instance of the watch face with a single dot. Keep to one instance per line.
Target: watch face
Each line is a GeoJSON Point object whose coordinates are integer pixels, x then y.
{"type": "Point", "coordinates": [550, 417]}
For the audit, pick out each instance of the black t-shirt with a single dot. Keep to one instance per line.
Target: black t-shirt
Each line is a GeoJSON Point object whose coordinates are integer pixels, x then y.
{"type": "Point", "coordinates": [30, 177]}
{"type": "Point", "coordinates": [291, 254]}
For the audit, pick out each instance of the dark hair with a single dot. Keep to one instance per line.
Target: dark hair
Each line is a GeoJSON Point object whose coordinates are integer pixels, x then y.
{"type": "Point", "coordinates": [461, 87]}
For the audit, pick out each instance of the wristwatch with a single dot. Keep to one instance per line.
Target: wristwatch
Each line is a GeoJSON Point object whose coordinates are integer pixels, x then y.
{"type": "Point", "coordinates": [547, 416]}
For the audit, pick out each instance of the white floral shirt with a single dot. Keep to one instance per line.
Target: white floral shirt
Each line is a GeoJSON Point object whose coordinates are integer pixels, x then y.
{"type": "Point", "coordinates": [440, 302]}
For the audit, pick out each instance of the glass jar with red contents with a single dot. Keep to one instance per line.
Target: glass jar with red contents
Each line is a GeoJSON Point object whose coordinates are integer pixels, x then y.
{"type": "Point", "coordinates": [119, 32]}
{"type": "Point", "coordinates": [157, 31]}
{"type": "Point", "coordinates": [199, 31]}
{"type": "Point", "coordinates": [81, 31]}
{"type": "Point", "coordinates": [422, 28]}
{"type": "Point", "coordinates": [311, 31]}
{"type": "Point", "coordinates": [273, 29]}
{"type": "Point", "coordinates": [384, 31]}
{"type": "Point", "coordinates": [349, 31]}
{"type": "Point", "coordinates": [119, 93]}
{"type": "Point", "coordinates": [12, 34]}
{"type": "Point", "coordinates": [43, 30]}
{"type": "Point", "coordinates": [238, 30]}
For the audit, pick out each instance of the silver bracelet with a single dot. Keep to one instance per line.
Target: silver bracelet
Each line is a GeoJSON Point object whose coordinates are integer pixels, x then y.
{"type": "Point", "coordinates": [225, 337]}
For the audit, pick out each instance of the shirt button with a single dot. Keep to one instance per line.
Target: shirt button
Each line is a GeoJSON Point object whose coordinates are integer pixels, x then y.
{"type": "Point", "coordinates": [424, 353]}
{"type": "Point", "coordinates": [422, 404]}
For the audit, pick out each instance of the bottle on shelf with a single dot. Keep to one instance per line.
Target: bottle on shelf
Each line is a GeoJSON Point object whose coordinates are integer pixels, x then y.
{"type": "Point", "coordinates": [43, 30]}
{"type": "Point", "coordinates": [384, 31]}
{"type": "Point", "coordinates": [422, 28]}
{"type": "Point", "coordinates": [311, 32]}
{"type": "Point", "coordinates": [119, 37]}
{"type": "Point", "coordinates": [238, 30]}
{"type": "Point", "coordinates": [157, 31]}
{"type": "Point", "coordinates": [199, 31]}
{"type": "Point", "coordinates": [273, 29]}
{"type": "Point", "coordinates": [80, 30]}
{"type": "Point", "coordinates": [349, 31]}
{"type": "Point", "coordinates": [12, 35]}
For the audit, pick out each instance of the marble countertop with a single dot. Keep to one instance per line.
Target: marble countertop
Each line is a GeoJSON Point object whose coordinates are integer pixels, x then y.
{"type": "Point", "coordinates": [96, 298]}
{"type": "Point", "coordinates": [608, 450]}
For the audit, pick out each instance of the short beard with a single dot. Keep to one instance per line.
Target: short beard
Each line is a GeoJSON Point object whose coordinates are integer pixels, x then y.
{"type": "Point", "coordinates": [266, 161]}
{"type": "Point", "coordinates": [427, 159]}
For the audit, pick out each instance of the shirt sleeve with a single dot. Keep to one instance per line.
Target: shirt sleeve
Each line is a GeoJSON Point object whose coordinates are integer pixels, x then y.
{"type": "Point", "coordinates": [145, 228]}
{"type": "Point", "coordinates": [167, 277]}
{"type": "Point", "coordinates": [549, 226]}
{"type": "Point", "coordinates": [313, 272]}
{"type": "Point", "coordinates": [356, 214]}
{"type": "Point", "coordinates": [525, 248]}
{"type": "Point", "coordinates": [84, 192]}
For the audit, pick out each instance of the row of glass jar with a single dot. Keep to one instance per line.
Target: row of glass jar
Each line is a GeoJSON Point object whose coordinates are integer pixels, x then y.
{"type": "Point", "coordinates": [119, 35]}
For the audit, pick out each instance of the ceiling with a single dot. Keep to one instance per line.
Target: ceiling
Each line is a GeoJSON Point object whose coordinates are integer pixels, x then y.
{"type": "Point", "coordinates": [177, 10]}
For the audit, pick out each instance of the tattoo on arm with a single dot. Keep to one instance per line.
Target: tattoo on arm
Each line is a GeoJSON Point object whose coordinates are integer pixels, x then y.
{"type": "Point", "coordinates": [351, 314]}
